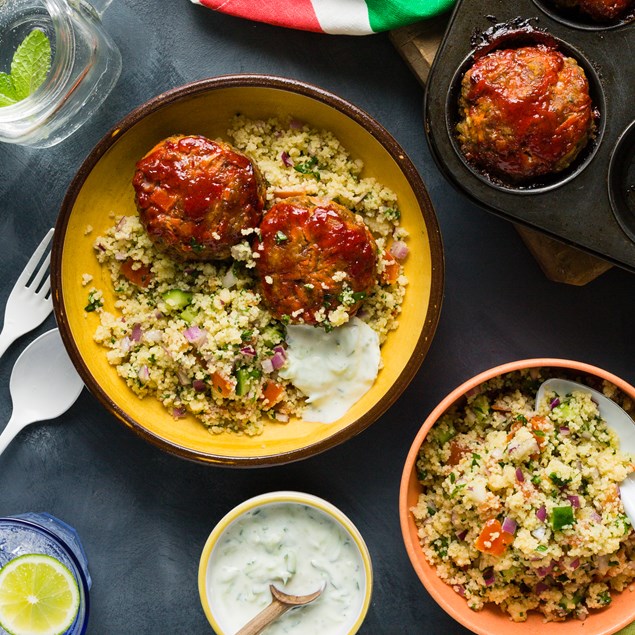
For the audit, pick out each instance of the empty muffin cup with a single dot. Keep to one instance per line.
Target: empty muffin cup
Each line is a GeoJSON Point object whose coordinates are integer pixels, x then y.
{"type": "Point", "coordinates": [621, 181]}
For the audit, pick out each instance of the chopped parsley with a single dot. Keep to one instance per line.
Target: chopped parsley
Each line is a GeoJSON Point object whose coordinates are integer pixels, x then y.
{"type": "Point", "coordinates": [558, 481]}
{"type": "Point", "coordinates": [196, 246]}
{"type": "Point", "coordinates": [94, 302]}
{"type": "Point", "coordinates": [280, 237]}
{"type": "Point", "coordinates": [307, 167]}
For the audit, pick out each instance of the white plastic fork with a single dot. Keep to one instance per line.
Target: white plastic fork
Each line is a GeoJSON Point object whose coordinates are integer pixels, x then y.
{"type": "Point", "coordinates": [30, 301]}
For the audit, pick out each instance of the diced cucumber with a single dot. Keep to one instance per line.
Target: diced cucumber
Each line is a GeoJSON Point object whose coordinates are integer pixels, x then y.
{"type": "Point", "coordinates": [242, 381]}
{"type": "Point", "coordinates": [188, 315]}
{"type": "Point", "coordinates": [177, 299]}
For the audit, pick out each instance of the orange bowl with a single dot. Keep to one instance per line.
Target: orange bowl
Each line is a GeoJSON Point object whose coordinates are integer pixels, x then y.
{"type": "Point", "coordinates": [491, 619]}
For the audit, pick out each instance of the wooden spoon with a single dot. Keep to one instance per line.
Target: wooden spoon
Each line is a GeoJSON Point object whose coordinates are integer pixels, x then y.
{"type": "Point", "coordinates": [280, 603]}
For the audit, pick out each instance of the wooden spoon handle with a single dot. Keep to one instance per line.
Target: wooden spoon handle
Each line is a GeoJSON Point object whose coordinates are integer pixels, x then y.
{"type": "Point", "coordinates": [264, 618]}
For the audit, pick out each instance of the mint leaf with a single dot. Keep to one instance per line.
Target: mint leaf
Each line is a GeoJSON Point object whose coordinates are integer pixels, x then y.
{"type": "Point", "coordinates": [7, 91]}
{"type": "Point", "coordinates": [31, 63]}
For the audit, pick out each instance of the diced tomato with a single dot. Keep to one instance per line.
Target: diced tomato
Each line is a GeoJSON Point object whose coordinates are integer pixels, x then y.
{"type": "Point", "coordinates": [514, 428]}
{"type": "Point", "coordinates": [540, 426]}
{"type": "Point", "coordinates": [140, 275]}
{"type": "Point", "coordinates": [456, 453]}
{"type": "Point", "coordinates": [391, 269]}
{"type": "Point", "coordinates": [162, 199]}
{"type": "Point", "coordinates": [221, 385]}
{"type": "Point", "coordinates": [493, 539]}
{"type": "Point", "coordinates": [272, 393]}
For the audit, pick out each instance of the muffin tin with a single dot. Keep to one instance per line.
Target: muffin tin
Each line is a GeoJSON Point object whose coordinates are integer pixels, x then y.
{"type": "Point", "coordinates": [591, 204]}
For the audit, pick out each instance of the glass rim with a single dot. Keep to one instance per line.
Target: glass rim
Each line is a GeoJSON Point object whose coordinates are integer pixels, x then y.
{"type": "Point", "coordinates": [71, 556]}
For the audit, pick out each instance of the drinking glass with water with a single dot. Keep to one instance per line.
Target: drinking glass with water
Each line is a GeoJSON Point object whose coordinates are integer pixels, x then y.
{"type": "Point", "coordinates": [57, 66]}
{"type": "Point", "coordinates": [39, 551]}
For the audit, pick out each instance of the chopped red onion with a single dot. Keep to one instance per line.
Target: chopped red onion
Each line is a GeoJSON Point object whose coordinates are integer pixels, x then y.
{"type": "Point", "coordinates": [278, 360]}
{"type": "Point", "coordinates": [267, 366]}
{"type": "Point", "coordinates": [399, 249]}
{"type": "Point", "coordinates": [121, 256]}
{"type": "Point", "coordinates": [183, 377]}
{"type": "Point", "coordinates": [295, 124]}
{"type": "Point", "coordinates": [286, 159]}
{"type": "Point", "coordinates": [250, 351]}
{"type": "Point", "coordinates": [121, 223]}
{"type": "Point", "coordinates": [541, 514]}
{"type": "Point", "coordinates": [195, 335]}
{"type": "Point", "coordinates": [460, 589]}
{"type": "Point", "coordinates": [136, 334]}
{"type": "Point", "coordinates": [520, 477]}
{"type": "Point", "coordinates": [596, 517]}
{"type": "Point", "coordinates": [125, 344]}
{"type": "Point", "coordinates": [280, 349]}
{"type": "Point", "coordinates": [575, 563]}
{"type": "Point", "coordinates": [489, 576]}
{"type": "Point", "coordinates": [281, 416]}
{"type": "Point", "coordinates": [603, 563]}
{"type": "Point", "coordinates": [509, 525]}
{"type": "Point", "coordinates": [461, 534]}
{"type": "Point", "coordinates": [574, 500]}
{"type": "Point", "coordinates": [540, 587]}
{"type": "Point", "coordinates": [564, 431]}
{"type": "Point", "coordinates": [199, 385]}
{"type": "Point", "coordinates": [178, 413]}
{"type": "Point", "coordinates": [229, 279]}
{"type": "Point", "coordinates": [554, 403]}
{"type": "Point", "coordinates": [540, 532]}
{"type": "Point", "coordinates": [545, 571]}
{"type": "Point", "coordinates": [143, 374]}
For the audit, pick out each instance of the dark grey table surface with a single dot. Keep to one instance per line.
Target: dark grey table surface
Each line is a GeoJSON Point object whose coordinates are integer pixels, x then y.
{"type": "Point", "coordinates": [143, 515]}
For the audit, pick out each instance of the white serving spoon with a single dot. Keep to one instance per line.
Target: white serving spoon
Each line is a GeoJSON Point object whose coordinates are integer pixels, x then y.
{"type": "Point", "coordinates": [616, 418]}
{"type": "Point", "coordinates": [44, 384]}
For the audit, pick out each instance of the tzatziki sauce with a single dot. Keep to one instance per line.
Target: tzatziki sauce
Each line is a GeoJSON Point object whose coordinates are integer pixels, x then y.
{"type": "Point", "coordinates": [333, 369]}
{"type": "Point", "coordinates": [299, 549]}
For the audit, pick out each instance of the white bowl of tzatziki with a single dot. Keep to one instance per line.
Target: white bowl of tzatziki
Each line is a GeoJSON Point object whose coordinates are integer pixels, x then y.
{"type": "Point", "coordinates": [298, 542]}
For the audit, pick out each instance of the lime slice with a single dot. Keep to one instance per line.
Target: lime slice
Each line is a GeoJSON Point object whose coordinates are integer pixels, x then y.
{"type": "Point", "coordinates": [38, 596]}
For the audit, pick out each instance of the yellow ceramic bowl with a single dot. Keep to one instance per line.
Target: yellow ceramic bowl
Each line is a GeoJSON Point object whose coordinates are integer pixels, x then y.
{"type": "Point", "coordinates": [212, 603]}
{"type": "Point", "coordinates": [490, 620]}
{"type": "Point", "coordinates": [103, 186]}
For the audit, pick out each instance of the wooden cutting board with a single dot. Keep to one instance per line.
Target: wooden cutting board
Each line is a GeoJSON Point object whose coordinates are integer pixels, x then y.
{"type": "Point", "coordinates": [418, 44]}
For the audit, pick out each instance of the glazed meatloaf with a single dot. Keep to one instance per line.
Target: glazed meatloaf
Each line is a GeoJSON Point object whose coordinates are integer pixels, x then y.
{"type": "Point", "coordinates": [314, 257]}
{"type": "Point", "coordinates": [524, 112]}
{"type": "Point", "coordinates": [598, 10]}
{"type": "Point", "coordinates": [197, 197]}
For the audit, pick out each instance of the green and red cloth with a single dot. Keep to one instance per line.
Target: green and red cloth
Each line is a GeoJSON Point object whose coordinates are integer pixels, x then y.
{"type": "Point", "coordinates": [347, 17]}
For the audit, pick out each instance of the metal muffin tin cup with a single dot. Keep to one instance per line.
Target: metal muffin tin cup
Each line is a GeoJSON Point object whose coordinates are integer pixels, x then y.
{"type": "Point", "coordinates": [621, 181]}
{"type": "Point", "coordinates": [577, 20]}
{"type": "Point", "coordinates": [514, 38]}
{"type": "Point", "coordinates": [572, 206]}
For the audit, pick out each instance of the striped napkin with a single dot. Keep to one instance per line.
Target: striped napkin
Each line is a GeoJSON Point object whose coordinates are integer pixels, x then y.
{"type": "Point", "coordinates": [346, 17]}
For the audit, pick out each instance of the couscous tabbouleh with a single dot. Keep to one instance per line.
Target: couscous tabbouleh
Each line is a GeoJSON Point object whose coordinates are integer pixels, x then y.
{"type": "Point", "coordinates": [520, 503]}
{"type": "Point", "coordinates": [196, 335]}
